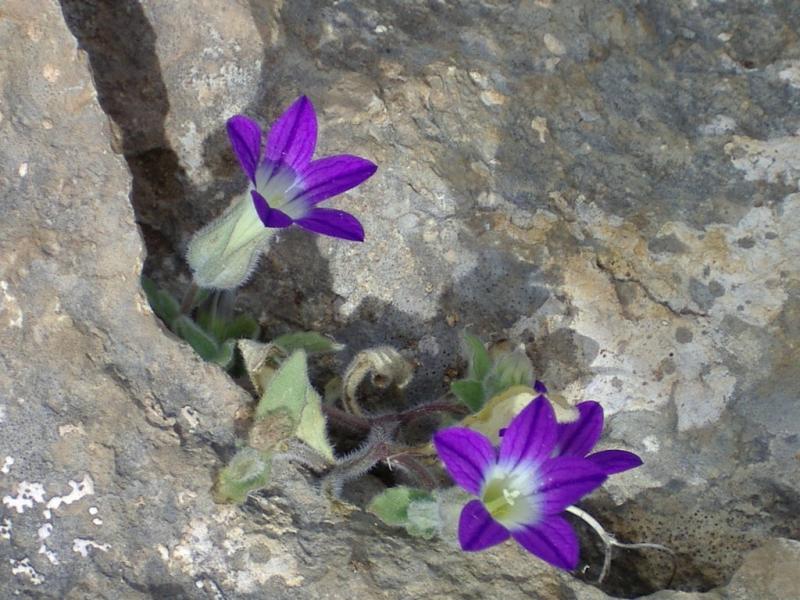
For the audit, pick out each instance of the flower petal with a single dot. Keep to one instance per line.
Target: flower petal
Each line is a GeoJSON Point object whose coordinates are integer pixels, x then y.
{"type": "Point", "coordinates": [615, 461]}
{"type": "Point", "coordinates": [578, 438]}
{"type": "Point", "coordinates": [531, 435]}
{"type": "Point", "coordinates": [477, 530]}
{"type": "Point", "coordinates": [539, 387]}
{"type": "Point", "coordinates": [293, 136]}
{"type": "Point", "coordinates": [333, 175]}
{"type": "Point", "coordinates": [245, 137]}
{"type": "Point", "coordinates": [466, 455]}
{"type": "Point", "coordinates": [270, 217]}
{"type": "Point", "coordinates": [335, 223]}
{"type": "Point", "coordinates": [564, 481]}
{"type": "Point", "coordinates": [553, 540]}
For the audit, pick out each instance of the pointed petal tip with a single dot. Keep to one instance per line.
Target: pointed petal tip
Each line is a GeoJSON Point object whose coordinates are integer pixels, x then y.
{"type": "Point", "coordinates": [612, 462]}
{"type": "Point", "coordinates": [553, 540]}
{"type": "Point", "coordinates": [245, 137]}
{"type": "Point", "coordinates": [477, 530]}
{"type": "Point", "coordinates": [334, 223]}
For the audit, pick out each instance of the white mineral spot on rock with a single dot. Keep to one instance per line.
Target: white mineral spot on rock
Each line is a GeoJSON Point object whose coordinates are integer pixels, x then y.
{"type": "Point", "coordinates": [8, 303]}
{"type": "Point", "coordinates": [27, 495]}
{"type": "Point", "coordinates": [190, 416]}
{"type": "Point", "coordinates": [163, 552]}
{"type": "Point", "coordinates": [79, 490]}
{"type": "Point", "coordinates": [554, 45]}
{"type": "Point", "coordinates": [93, 510]}
{"type": "Point", "coordinates": [23, 169]}
{"type": "Point", "coordinates": [479, 79]}
{"type": "Point", "coordinates": [97, 522]}
{"type": "Point", "coordinates": [700, 402]}
{"type": "Point", "coordinates": [23, 568]}
{"type": "Point", "coordinates": [45, 531]}
{"type": "Point", "coordinates": [8, 461]}
{"type": "Point", "coordinates": [49, 554]}
{"type": "Point", "coordinates": [791, 74]}
{"type": "Point", "coordinates": [380, 29]}
{"type": "Point", "coordinates": [724, 36]}
{"type": "Point", "coordinates": [539, 125]}
{"type": "Point", "coordinates": [70, 428]}
{"type": "Point", "coordinates": [82, 546]}
{"type": "Point", "coordinates": [651, 443]}
{"type": "Point", "coordinates": [51, 73]}
{"type": "Point", "coordinates": [718, 125]}
{"type": "Point", "coordinates": [774, 160]}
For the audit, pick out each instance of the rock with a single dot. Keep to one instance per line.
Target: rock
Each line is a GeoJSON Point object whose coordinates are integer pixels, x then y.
{"type": "Point", "coordinates": [614, 185]}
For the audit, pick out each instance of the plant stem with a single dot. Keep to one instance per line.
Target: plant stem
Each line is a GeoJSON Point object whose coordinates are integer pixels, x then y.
{"type": "Point", "coordinates": [414, 467]}
{"type": "Point", "coordinates": [346, 420]}
{"type": "Point", "coordinates": [364, 424]}
{"type": "Point", "coordinates": [610, 541]}
{"type": "Point", "coordinates": [188, 299]}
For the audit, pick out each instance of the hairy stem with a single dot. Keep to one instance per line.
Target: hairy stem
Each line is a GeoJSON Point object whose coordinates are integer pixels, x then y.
{"type": "Point", "coordinates": [413, 466]}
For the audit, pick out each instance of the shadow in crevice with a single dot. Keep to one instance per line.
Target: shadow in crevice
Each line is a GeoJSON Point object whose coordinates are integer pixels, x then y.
{"type": "Point", "coordinates": [121, 46]}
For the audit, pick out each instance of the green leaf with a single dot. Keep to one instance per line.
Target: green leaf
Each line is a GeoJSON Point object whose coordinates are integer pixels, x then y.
{"type": "Point", "coordinates": [225, 355]}
{"type": "Point", "coordinates": [242, 327]}
{"type": "Point", "coordinates": [249, 470]}
{"type": "Point", "coordinates": [163, 304]}
{"type": "Point", "coordinates": [289, 394]}
{"type": "Point", "coordinates": [391, 505]}
{"type": "Point", "coordinates": [469, 392]}
{"type": "Point", "coordinates": [203, 344]}
{"type": "Point", "coordinates": [423, 518]}
{"type": "Point", "coordinates": [478, 357]}
{"type": "Point", "coordinates": [511, 369]}
{"type": "Point", "coordinates": [310, 341]}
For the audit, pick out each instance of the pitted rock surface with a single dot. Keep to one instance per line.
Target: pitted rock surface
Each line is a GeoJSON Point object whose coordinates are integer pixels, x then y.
{"type": "Point", "coordinates": [615, 185]}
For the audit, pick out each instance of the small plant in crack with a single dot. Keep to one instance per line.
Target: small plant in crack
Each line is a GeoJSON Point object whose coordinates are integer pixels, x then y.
{"type": "Point", "coordinates": [520, 458]}
{"type": "Point", "coordinates": [285, 186]}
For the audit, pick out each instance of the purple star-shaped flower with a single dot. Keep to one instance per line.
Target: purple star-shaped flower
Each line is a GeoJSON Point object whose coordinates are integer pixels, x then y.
{"type": "Point", "coordinates": [286, 185]}
{"type": "Point", "coordinates": [522, 489]}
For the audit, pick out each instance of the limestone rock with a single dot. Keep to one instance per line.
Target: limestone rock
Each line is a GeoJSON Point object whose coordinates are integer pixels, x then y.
{"type": "Point", "coordinates": [613, 184]}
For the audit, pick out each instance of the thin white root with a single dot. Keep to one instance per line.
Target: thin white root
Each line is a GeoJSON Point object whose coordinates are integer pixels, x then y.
{"type": "Point", "coordinates": [609, 541]}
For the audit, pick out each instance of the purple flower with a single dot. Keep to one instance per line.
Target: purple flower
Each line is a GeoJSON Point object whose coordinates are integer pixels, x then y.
{"type": "Point", "coordinates": [579, 438]}
{"type": "Point", "coordinates": [522, 489]}
{"type": "Point", "coordinates": [286, 185]}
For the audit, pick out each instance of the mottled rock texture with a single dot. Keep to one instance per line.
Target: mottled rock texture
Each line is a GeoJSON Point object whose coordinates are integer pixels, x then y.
{"type": "Point", "coordinates": [613, 184]}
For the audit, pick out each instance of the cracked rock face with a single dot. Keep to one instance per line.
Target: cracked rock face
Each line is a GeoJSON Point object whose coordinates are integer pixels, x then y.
{"type": "Point", "coordinates": [615, 185]}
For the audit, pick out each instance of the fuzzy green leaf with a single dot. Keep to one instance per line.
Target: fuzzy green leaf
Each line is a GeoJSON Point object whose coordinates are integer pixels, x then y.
{"type": "Point", "coordinates": [248, 470]}
{"type": "Point", "coordinates": [225, 355]}
{"type": "Point", "coordinates": [310, 341]}
{"type": "Point", "coordinates": [289, 393]}
{"type": "Point", "coordinates": [163, 304]}
{"type": "Point", "coordinates": [511, 369]}
{"type": "Point", "coordinates": [469, 392]}
{"type": "Point", "coordinates": [391, 505]}
{"type": "Point", "coordinates": [477, 355]}
{"type": "Point", "coordinates": [423, 518]}
{"type": "Point", "coordinates": [205, 345]}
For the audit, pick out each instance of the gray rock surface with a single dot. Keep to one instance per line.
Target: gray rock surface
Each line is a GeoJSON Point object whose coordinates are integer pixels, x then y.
{"type": "Point", "coordinates": [613, 184]}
